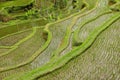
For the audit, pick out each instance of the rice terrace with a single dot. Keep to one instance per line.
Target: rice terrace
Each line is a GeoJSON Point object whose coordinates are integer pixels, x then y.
{"type": "Point", "coordinates": [59, 39]}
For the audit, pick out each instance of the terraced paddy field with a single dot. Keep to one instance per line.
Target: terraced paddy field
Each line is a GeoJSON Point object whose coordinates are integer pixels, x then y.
{"type": "Point", "coordinates": [77, 40]}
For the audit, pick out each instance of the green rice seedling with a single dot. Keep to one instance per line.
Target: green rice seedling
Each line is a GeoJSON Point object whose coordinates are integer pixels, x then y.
{"type": "Point", "coordinates": [51, 41]}
{"type": "Point", "coordinates": [15, 46]}
{"type": "Point", "coordinates": [100, 61]}
{"type": "Point", "coordinates": [15, 3]}
{"type": "Point", "coordinates": [98, 10]}
{"type": "Point", "coordinates": [54, 64]}
{"type": "Point", "coordinates": [26, 66]}
{"type": "Point", "coordinates": [88, 28]}
{"type": "Point", "coordinates": [8, 42]}
{"type": "Point", "coordinates": [69, 48]}
{"type": "Point", "coordinates": [58, 31]}
{"type": "Point", "coordinates": [45, 56]}
{"type": "Point", "coordinates": [67, 39]}
{"type": "Point", "coordinates": [11, 29]}
{"type": "Point", "coordinates": [11, 39]}
{"type": "Point", "coordinates": [23, 25]}
{"type": "Point", "coordinates": [21, 52]}
{"type": "Point", "coordinates": [3, 50]}
{"type": "Point", "coordinates": [92, 26]}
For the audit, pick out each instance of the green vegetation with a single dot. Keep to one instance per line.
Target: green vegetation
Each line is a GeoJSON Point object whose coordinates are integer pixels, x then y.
{"type": "Point", "coordinates": [59, 39]}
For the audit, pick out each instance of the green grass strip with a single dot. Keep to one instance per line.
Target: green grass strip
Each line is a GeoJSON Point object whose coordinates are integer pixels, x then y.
{"type": "Point", "coordinates": [55, 64]}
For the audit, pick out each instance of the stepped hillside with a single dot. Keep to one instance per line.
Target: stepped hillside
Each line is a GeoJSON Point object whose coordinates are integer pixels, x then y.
{"type": "Point", "coordinates": [59, 39]}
